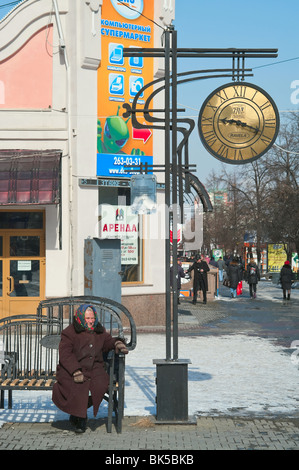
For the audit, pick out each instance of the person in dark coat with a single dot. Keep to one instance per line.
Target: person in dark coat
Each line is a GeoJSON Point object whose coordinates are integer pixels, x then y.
{"type": "Point", "coordinates": [286, 279]}
{"type": "Point", "coordinates": [81, 366]}
{"type": "Point", "coordinates": [253, 276]}
{"type": "Point", "coordinates": [200, 280]}
{"type": "Point", "coordinates": [222, 267]}
{"type": "Point", "coordinates": [234, 275]}
{"type": "Point", "coordinates": [213, 262]}
{"type": "Point", "coordinates": [180, 274]}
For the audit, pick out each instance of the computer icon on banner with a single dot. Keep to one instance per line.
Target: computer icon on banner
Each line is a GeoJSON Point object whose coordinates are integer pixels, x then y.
{"type": "Point", "coordinates": [116, 54]}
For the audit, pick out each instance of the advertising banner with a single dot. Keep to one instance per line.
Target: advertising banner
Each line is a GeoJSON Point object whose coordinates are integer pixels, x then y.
{"type": "Point", "coordinates": [119, 222]}
{"type": "Point", "coordinates": [125, 23]}
{"type": "Point", "coordinates": [217, 253]}
{"type": "Point", "coordinates": [295, 262]}
{"type": "Point", "coordinates": [276, 257]}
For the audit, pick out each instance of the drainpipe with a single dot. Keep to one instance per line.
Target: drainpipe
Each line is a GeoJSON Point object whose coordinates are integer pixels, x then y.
{"type": "Point", "coordinates": [64, 50]}
{"type": "Point", "coordinates": [60, 33]}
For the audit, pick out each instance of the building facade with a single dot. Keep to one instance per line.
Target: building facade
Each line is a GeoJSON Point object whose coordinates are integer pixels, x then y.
{"type": "Point", "coordinates": [63, 81]}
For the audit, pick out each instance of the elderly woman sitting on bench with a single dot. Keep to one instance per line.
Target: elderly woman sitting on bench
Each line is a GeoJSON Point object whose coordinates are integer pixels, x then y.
{"type": "Point", "coordinates": [82, 380]}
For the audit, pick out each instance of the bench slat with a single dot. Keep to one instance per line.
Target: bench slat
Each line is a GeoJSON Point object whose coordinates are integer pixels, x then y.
{"type": "Point", "coordinates": [32, 382]}
{"type": "Point", "coordinates": [14, 382]}
{"type": "Point", "coordinates": [6, 382]}
{"type": "Point", "coordinates": [23, 382]}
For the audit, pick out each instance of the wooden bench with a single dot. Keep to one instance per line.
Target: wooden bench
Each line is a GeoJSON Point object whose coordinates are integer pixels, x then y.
{"type": "Point", "coordinates": [29, 348]}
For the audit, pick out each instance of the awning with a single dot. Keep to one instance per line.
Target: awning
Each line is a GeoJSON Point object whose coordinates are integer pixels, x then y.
{"type": "Point", "coordinates": [30, 177]}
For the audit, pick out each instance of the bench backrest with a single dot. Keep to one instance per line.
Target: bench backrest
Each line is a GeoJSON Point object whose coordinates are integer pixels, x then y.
{"type": "Point", "coordinates": [22, 354]}
{"type": "Point", "coordinates": [111, 314]}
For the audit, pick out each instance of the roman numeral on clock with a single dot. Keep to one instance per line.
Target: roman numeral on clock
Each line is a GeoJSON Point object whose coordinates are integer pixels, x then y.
{"type": "Point", "coordinates": [210, 138]}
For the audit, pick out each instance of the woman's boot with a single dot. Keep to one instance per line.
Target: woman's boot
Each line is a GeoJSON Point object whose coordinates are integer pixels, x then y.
{"type": "Point", "coordinates": [81, 425]}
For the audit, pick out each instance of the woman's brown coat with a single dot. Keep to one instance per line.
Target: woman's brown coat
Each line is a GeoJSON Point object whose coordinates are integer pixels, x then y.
{"type": "Point", "coordinates": [81, 349]}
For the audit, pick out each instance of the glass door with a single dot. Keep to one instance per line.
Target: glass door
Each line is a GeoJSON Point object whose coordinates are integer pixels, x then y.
{"type": "Point", "coordinates": [22, 265]}
{"type": "Point", "coordinates": [24, 272]}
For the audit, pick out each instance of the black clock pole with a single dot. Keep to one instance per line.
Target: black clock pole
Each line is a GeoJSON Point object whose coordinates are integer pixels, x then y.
{"type": "Point", "coordinates": [172, 372]}
{"type": "Point", "coordinates": [174, 117]}
{"type": "Point", "coordinates": [167, 195]}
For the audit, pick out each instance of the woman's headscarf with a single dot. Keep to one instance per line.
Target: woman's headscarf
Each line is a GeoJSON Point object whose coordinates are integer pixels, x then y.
{"type": "Point", "coordinates": [80, 316]}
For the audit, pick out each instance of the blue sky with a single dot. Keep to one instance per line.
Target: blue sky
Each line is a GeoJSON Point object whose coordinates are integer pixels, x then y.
{"type": "Point", "coordinates": [5, 9]}
{"type": "Point", "coordinates": [254, 24]}
{"type": "Point", "coordinates": [219, 24]}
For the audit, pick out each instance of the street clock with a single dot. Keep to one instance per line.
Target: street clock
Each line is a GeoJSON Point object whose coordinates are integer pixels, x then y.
{"type": "Point", "coordinates": [238, 123]}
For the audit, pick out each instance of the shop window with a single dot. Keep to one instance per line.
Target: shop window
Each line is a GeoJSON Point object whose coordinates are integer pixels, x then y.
{"type": "Point", "coordinates": [21, 220]}
{"type": "Point", "coordinates": [126, 227]}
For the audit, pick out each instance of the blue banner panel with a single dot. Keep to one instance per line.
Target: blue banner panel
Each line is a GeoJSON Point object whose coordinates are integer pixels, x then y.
{"type": "Point", "coordinates": [114, 165]}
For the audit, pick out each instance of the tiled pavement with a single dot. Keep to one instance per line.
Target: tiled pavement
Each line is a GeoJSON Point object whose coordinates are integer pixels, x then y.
{"type": "Point", "coordinates": [208, 433]}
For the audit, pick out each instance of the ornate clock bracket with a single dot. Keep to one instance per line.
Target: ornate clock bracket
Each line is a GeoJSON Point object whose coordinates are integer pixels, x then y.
{"type": "Point", "coordinates": [238, 66]}
{"type": "Point", "coordinates": [238, 60]}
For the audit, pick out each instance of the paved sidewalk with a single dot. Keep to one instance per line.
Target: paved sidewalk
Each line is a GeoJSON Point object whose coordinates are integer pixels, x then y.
{"type": "Point", "coordinates": [209, 433]}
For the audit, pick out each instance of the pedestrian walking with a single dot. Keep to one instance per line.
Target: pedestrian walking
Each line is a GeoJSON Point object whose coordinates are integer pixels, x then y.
{"type": "Point", "coordinates": [253, 276]}
{"type": "Point", "coordinates": [227, 259]}
{"type": "Point", "coordinates": [221, 267]}
{"type": "Point", "coordinates": [285, 279]}
{"type": "Point", "coordinates": [179, 275]}
{"type": "Point", "coordinates": [213, 262]}
{"type": "Point", "coordinates": [200, 280]}
{"type": "Point", "coordinates": [81, 371]}
{"type": "Point", "coordinates": [240, 285]}
{"type": "Point", "coordinates": [234, 276]}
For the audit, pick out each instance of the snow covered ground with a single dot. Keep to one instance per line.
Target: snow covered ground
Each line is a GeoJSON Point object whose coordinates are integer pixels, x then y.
{"type": "Point", "coordinates": [227, 375]}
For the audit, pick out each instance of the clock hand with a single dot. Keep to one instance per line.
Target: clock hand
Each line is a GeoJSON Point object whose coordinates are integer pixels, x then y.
{"type": "Point", "coordinates": [239, 123]}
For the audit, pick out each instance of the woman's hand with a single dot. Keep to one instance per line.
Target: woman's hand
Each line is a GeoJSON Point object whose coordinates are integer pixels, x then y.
{"type": "Point", "coordinates": [78, 377]}
{"type": "Point", "coordinates": [120, 347]}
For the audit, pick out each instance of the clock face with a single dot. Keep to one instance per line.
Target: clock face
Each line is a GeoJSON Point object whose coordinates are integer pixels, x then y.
{"type": "Point", "coordinates": [238, 123]}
